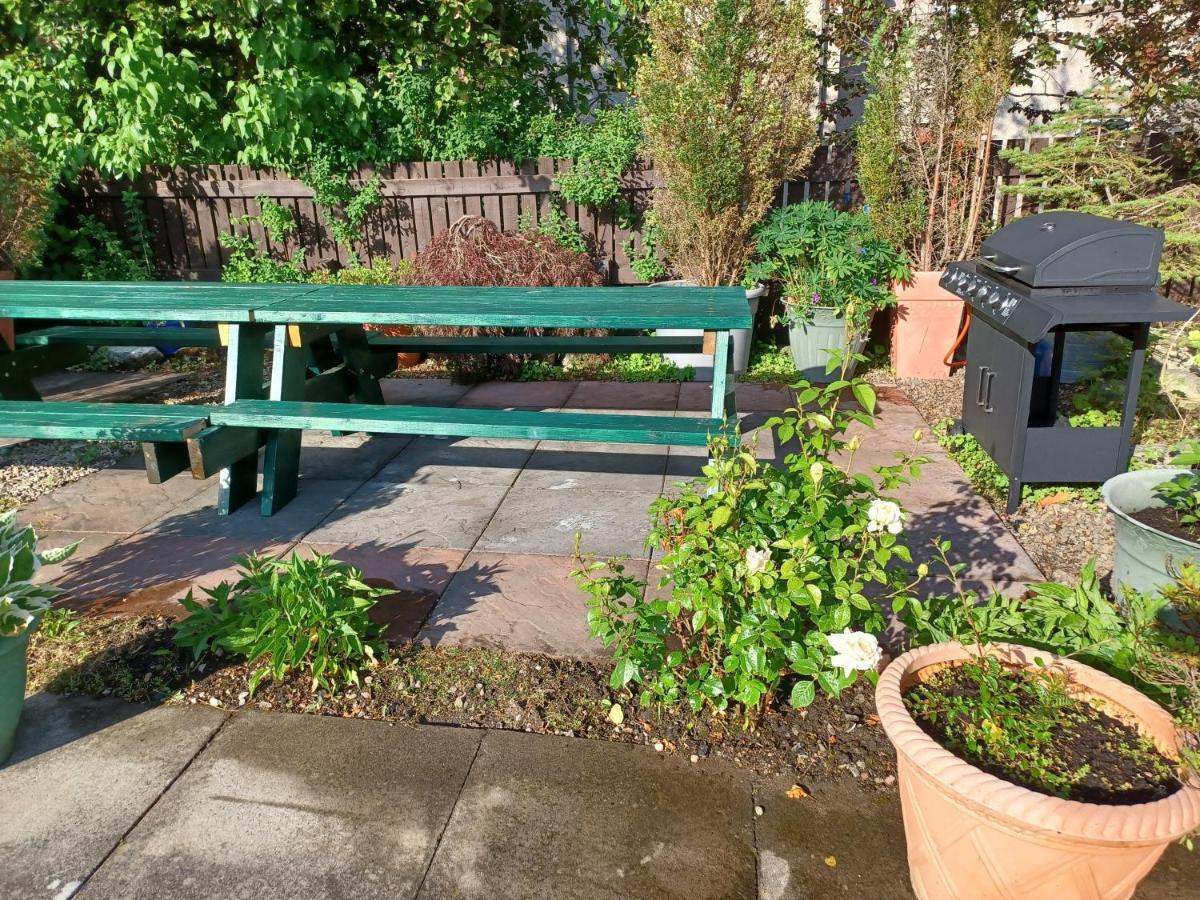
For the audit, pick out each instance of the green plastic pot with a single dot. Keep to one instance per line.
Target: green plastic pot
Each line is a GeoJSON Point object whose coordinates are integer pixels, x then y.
{"type": "Point", "coordinates": [1145, 557]}
{"type": "Point", "coordinates": [12, 687]}
{"type": "Point", "coordinates": [811, 342]}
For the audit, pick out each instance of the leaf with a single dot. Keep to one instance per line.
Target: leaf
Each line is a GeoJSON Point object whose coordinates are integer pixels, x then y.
{"type": "Point", "coordinates": [803, 694]}
{"type": "Point", "coordinates": [865, 395]}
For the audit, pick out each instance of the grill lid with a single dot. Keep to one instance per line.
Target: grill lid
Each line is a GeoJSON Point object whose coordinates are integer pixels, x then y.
{"type": "Point", "coordinates": [1073, 249]}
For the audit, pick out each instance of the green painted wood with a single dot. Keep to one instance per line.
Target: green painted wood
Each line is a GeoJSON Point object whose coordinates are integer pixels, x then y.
{"type": "Point", "coordinates": [334, 386]}
{"type": "Point", "coordinates": [721, 383]}
{"type": "Point", "coordinates": [238, 482]}
{"type": "Point", "coordinates": [19, 367]}
{"type": "Point", "coordinates": [111, 336]}
{"type": "Point", "coordinates": [100, 421]}
{"type": "Point", "coordinates": [351, 343]}
{"type": "Point", "coordinates": [281, 464]}
{"type": "Point", "coordinates": [148, 301]}
{"type": "Point", "coordinates": [467, 422]}
{"type": "Point", "coordinates": [607, 307]}
{"type": "Point", "coordinates": [164, 460]}
{"type": "Point", "coordinates": [218, 447]}
{"type": "Point", "coordinates": [536, 344]}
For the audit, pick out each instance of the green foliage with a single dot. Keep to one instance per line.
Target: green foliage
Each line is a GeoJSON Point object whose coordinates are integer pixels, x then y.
{"type": "Point", "coordinates": [763, 568]}
{"type": "Point", "coordinates": [21, 600]}
{"type": "Point", "coordinates": [648, 265]}
{"type": "Point", "coordinates": [631, 367]}
{"type": "Point", "coordinates": [103, 255]}
{"type": "Point", "coordinates": [825, 258]}
{"type": "Point", "coordinates": [122, 85]}
{"type": "Point", "coordinates": [308, 615]}
{"type": "Point", "coordinates": [344, 206]}
{"type": "Point", "coordinates": [59, 623]}
{"type": "Point", "coordinates": [555, 224]}
{"type": "Point", "coordinates": [247, 262]}
{"type": "Point", "coordinates": [603, 150]}
{"type": "Point", "coordinates": [726, 122]}
{"type": "Point", "coordinates": [770, 363]}
{"type": "Point", "coordinates": [1182, 495]}
{"type": "Point", "coordinates": [24, 204]}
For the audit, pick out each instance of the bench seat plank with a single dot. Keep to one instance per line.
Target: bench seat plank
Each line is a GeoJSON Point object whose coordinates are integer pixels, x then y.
{"type": "Point", "coordinates": [467, 422]}
{"type": "Point", "coordinates": [413, 343]}
{"type": "Point", "coordinates": [115, 336]}
{"type": "Point", "coordinates": [100, 421]}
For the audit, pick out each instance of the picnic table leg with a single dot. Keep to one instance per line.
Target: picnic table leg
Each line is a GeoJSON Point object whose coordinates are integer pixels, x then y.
{"type": "Point", "coordinates": [724, 404]}
{"type": "Point", "coordinates": [281, 465]}
{"type": "Point", "coordinates": [352, 343]}
{"type": "Point", "coordinates": [238, 483]}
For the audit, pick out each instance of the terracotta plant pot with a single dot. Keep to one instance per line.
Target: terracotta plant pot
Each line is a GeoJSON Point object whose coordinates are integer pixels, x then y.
{"type": "Point", "coordinates": [8, 338]}
{"type": "Point", "coordinates": [973, 835]}
{"type": "Point", "coordinates": [403, 360]}
{"type": "Point", "coordinates": [926, 321]}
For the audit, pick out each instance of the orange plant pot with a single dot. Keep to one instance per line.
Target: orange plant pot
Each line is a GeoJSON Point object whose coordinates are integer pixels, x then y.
{"type": "Point", "coordinates": [925, 323]}
{"type": "Point", "coordinates": [973, 835]}
{"type": "Point", "coordinates": [8, 333]}
{"type": "Point", "coordinates": [403, 360]}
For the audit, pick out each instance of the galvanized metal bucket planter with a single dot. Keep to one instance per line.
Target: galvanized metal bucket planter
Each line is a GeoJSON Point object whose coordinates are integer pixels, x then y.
{"type": "Point", "coordinates": [1145, 557]}
{"type": "Point", "coordinates": [701, 362]}
{"type": "Point", "coordinates": [12, 688]}
{"type": "Point", "coordinates": [810, 344]}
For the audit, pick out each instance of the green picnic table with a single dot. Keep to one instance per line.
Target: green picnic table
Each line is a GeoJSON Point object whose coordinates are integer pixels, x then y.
{"type": "Point", "coordinates": [322, 358]}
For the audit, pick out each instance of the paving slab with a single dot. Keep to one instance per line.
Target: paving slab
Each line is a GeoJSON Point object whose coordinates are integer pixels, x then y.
{"type": "Point", "coordinates": [859, 829]}
{"type": "Point", "coordinates": [515, 602]}
{"type": "Point", "coordinates": [452, 462]}
{"type": "Point", "coordinates": [82, 773]}
{"type": "Point", "coordinates": [90, 543]}
{"type": "Point", "coordinates": [147, 573]}
{"type": "Point", "coordinates": [102, 387]}
{"type": "Point", "coordinates": [422, 391]}
{"type": "Point", "coordinates": [350, 457]}
{"type": "Point", "coordinates": [751, 397]}
{"type": "Point", "coordinates": [519, 394]}
{"type": "Point", "coordinates": [615, 395]}
{"type": "Point", "coordinates": [315, 500]}
{"type": "Point", "coordinates": [116, 501]}
{"type": "Point", "coordinates": [385, 513]}
{"type": "Point", "coordinates": [572, 465]}
{"type": "Point", "coordinates": [611, 523]}
{"type": "Point", "coordinates": [297, 806]}
{"type": "Point", "coordinates": [415, 577]}
{"type": "Point", "coordinates": [563, 818]}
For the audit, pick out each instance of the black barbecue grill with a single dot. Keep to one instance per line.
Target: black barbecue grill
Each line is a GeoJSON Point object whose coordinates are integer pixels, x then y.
{"type": "Point", "coordinates": [1035, 280]}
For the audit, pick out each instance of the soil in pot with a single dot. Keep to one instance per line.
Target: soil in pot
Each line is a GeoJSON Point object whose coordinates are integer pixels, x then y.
{"type": "Point", "coordinates": [1026, 727]}
{"type": "Point", "coordinates": [1165, 520]}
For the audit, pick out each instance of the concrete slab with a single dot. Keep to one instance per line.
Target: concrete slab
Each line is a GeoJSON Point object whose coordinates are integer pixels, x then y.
{"type": "Point", "coordinates": [751, 397]}
{"type": "Point", "coordinates": [451, 462]}
{"type": "Point", "coordinates": [146, 574]}
{"type": "Point", "coordinates": [417, 576]}
{"type": "Point", "coordinates": [405, 514]}
{"type": "Point", "coordinates": [612, 523]}
{"type": "Point", "coordinates": [351, 457]}
{"type": "Point", "coordinates": [615, 395]}
{"type": "Point", "coordinates": [82, 773]}
{"type": "Point", "coordinates": [422, 391]}
{"type": "Point", "coordinates": [297, 806]}
{"type": "Point", "coordinates": [90, 543]}
{"type": "Point", "coordinates": [116, 501]}
{"type": "Point", "coordinates": [513, 602]}
{"type": "Point", "coordinates": [565, 818]}
{"type": "Point", "coordinates": [572, 465]}
{"type": "Point", "coordinates": [860, 830]}
{"type": "Point", "coordinates": [315, 501]}
{"type": "Point", "coordinates": [519, 394]}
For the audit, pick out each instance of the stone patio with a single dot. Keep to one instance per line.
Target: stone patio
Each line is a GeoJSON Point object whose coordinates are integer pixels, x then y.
{"type": "Point", "coordinates": [474, 535]}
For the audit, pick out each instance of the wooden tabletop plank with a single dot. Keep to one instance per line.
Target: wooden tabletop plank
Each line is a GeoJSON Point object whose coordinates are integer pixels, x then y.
{"type": "Point", "coordinates": [144, 301]}
{"type": "Point", "coordinates": [558, 307]}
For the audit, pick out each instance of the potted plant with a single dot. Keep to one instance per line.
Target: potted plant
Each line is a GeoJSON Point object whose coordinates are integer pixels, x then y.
{"type": "Point", "coordinates": [834, 272]}
{"type": "Point", "coordinates": [1157, 519]}
{"type": "Point", "coordinates": [24, 206]}
{"type": "Point", "coordinates": [726, 124]}
{"type": "Point", "coordinates": [21, 604]}
{"type": "Point", "coordinates": [1027, 774]}
{"type": "Point", "coordinates": [923, 148]}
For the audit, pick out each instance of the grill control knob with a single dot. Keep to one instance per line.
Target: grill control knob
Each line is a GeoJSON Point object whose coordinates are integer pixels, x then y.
{"type": "Point", "coordinates": [981, 291]}
{"type": "Point", "coordinates": [993, 299]}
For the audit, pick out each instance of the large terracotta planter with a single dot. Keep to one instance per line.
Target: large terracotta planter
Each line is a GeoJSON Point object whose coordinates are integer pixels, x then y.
{"type": "Point", "coordinates": [972, 835]}
{"type": "Point", "coordinates": [926, 321]}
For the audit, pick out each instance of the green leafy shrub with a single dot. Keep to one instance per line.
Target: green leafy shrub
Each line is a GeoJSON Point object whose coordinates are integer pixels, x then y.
{"type": "Point", "coordinates": [25, 195]}
{"type": "Point", "coordinates": [726, 122]}
{"type": "Point", "coordinates": [103, 255]}
{"type": "Point", "coordinates": [770, 363]}
{"type": "Point", "coordinates": [1182, 495]}
{"type": "Point", "coordinates": [766, 571]}
{"type": "Point", "coordinates": [825, 258]}
{"type": "Point", "coordinates": [647, 264]}
{"type": "Point", "coordinates": [556, 225]}
{"type": "Point", "coordinates": [21, 600]}
{"type": "Point", "coordinates": [308, 615]}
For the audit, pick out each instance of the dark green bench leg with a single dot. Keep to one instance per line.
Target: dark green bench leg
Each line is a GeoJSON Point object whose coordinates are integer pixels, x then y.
{"type": "Point", "coordinates": [164, 461]}
{"type": "Point", "coordinates": [18, 368]}
{"type": "Point", "coordinates": [281, 465]}
{"type": "Point", "coordinates": [724, 404]}
{"type": "Point", "coordinates": [356, 351]}
{"type": "Point", "coordinates": [243, 381]}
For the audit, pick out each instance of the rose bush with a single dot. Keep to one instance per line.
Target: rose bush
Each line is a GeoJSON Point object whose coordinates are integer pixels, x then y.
{"type": "Point", "coordinates": [772, 577]}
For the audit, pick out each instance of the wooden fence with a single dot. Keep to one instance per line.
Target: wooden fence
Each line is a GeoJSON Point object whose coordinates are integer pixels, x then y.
{"type": "Point", "coordinates": [188, 208]}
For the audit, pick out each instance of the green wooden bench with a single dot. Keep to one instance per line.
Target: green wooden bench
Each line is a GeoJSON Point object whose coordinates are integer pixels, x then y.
{"type": "Point", "coordinates": [120, 336]}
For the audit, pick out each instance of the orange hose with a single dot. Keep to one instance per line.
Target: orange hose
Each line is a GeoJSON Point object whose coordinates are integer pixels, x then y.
{"type": "Point", "coordinates": [949, 360]}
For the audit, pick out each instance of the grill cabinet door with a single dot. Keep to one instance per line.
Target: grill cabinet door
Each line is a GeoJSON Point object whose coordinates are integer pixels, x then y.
{"type": "Point", "coordinates": [997, 369]}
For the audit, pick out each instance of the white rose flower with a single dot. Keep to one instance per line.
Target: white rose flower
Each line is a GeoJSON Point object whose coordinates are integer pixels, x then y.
{"type": "Point", "coordinates": [756, 560]}
{"type": "Point", "coordinates": [885, 515]}
{"type": "Point", "coordinates": [856, 651]}
{"type": "Point", "coordinates": [816, 471]}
